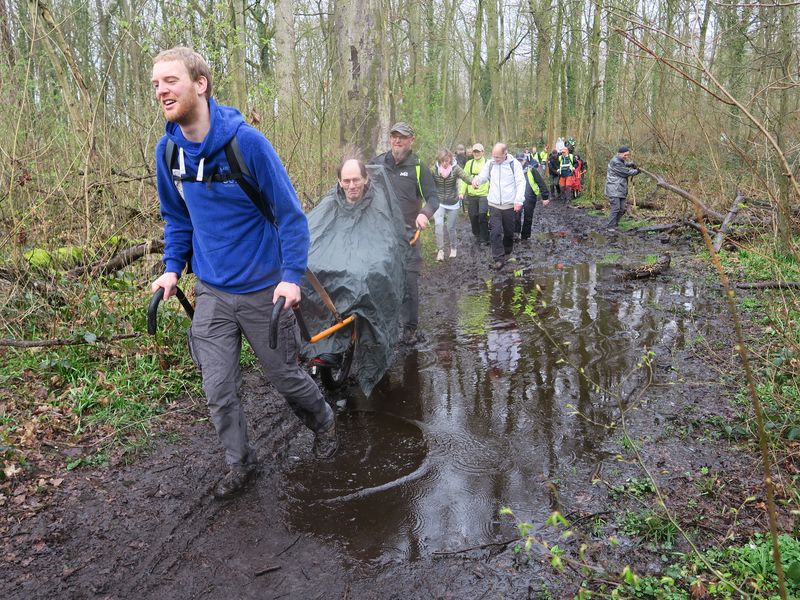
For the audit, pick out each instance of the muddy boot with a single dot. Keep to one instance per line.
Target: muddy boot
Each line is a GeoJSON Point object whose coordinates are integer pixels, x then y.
{"type": "Point", "coordinates": [326, 442]}
{"type": "Point", "coordinates": [235, 481]}
{"type": "Point", "coordinates": [410, 337]}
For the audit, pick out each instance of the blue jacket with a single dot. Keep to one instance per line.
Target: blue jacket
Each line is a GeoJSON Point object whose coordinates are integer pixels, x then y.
{"type": "Point", "coordinates": [232, 246]}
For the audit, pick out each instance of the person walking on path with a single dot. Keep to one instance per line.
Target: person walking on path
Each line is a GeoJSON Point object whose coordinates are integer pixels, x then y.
{"type": "Point", "coordinates": [554, 168]}
{"type": "Point", "coordinates": [413, 185]}
{"type": "Point", "coordinates": [476, 199]}
{"type": "Point", "coordinates": [461, 155]}
{"type": "Point", "coordinates": [566, 168]}
{"type": "Point", "coordinates": [446, 173]}
{"type": "Point", "coordinates": [534, 188]}
{"type": "Point", "coordinates": [506, 196]}
{"type": "Point", "coordinates": [616, 189]}
{"type": "Point", "coordinates": [245, 258]}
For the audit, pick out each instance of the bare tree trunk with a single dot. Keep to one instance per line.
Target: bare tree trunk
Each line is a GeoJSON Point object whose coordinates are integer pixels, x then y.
{"type": "Point", "coordinates": [6, 45]}
{"type": "Point", "coordinates": [383, 123]}
{"type": "Point", "coordinates": [555, 76]}
{"type": "Point", "coordinates": [78, 105]}
{"type": "Point", "coordinates": [355, 29]}
{"type": "Point", "coordinates": [495, 117]}
{"type": "Point", "coordinates": [475, 74]}
{"type": "Point", "coordinates": [238, 55]}
{"type": "Point", "coordinates": [591, 97]}
{"type": "Point", "coordinates": [786, 201]}
{"type": "Point", "coordinates": [285, 68]}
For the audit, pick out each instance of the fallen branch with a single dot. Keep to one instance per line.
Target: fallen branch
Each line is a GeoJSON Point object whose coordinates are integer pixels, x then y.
{"type": "Point", "coordinates": [480, 547]}
{"type": "Point", "coordinates": [119, 261]}
{"type": "Point", "coordinates": [67, 342]}
{"type": "Point", "coordinates": [658, 267]}
{"type": "Point", "coordinates": [767, 285]}
{"type": "Point", "coordinates": [663, 183]}
{"type": "Point", "coordinates": [718, 239]}
{"type": "Point", "coordinates": [664, 227]}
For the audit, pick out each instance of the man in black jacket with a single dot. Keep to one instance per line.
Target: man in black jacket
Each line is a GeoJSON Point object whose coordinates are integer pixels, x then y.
{"type": "Point", "coordinates": [535, 186]}
{"type": "Point", "coordinates": [413, 184]}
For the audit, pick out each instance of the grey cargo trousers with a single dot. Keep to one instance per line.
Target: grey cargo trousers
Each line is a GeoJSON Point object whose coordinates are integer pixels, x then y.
{"type": "Point", "coordinates": [215, 341]}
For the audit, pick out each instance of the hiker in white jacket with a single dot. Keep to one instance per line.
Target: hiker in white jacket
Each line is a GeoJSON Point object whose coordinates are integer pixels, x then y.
{"type": "Point", "coordinates": [506, 195]}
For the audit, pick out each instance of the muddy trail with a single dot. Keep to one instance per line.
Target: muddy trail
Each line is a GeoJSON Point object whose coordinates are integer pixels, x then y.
{"type": "Point", "coordinates": [532, 389]}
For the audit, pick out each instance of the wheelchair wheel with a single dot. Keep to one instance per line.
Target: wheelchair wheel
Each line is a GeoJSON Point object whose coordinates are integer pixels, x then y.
{"type": "Point", "coordinates": [335, 377]}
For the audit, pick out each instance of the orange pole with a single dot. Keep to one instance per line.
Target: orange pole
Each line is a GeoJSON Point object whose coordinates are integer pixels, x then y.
{"type": "Point", "coordinates": [333, 329]}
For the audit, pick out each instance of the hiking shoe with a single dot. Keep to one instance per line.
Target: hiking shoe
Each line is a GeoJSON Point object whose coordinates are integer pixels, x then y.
{"type": "Point", "coordinates": [326, 442]}
{"type": "Point", "coordinates": [440, 256]}
{"type": "Point", "coordinates": [410, 337]}
{"type": "Point", "coordinates": [452, 252]}
{"type": "Point", "coordinates": [328, 359]}
{"type": "Point", "coordinates": [234, 482]}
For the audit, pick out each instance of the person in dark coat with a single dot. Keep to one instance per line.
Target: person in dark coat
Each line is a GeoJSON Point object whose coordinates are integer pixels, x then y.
{"type": "Point", "coordinates": [416, 193]}
{"type": "Point", "coordinates": [616, 190]}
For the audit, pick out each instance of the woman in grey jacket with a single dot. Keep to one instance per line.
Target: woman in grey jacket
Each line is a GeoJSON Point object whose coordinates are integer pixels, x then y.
{"type": "Point", "coordinates": [446, 173]}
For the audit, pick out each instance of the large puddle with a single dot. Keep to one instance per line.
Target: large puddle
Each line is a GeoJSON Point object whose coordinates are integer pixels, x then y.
{"type": "Point", "coordinates": [490, 411]}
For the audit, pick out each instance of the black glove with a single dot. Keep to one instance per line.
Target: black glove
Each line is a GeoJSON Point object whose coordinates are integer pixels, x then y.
{"type": "Point", "coordinates": [632, 165]}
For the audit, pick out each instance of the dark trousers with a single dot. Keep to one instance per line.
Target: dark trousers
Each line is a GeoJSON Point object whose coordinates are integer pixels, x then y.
{"type": "Point", "coordinates": [502, 231]}
{"type": "Point", "coordinates": [523, 220]}
{"type": "Point", "coordinates": [618, 207]}
{"type": "Point", "coordinates": [478, 207]}
{"type": "Point", "coordinates": [409, 309]}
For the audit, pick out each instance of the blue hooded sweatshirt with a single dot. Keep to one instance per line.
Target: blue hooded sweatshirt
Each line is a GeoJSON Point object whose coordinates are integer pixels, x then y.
{"type": "Point", "coordinates": [232, 245]}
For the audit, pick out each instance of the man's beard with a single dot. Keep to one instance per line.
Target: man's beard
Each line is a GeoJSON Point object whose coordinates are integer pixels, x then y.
{"type": "Point", "coordinates": [399, 155]}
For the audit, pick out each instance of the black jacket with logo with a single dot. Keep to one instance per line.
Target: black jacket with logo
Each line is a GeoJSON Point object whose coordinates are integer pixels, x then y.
{"type": "Point", "coordinates": [403, 177]}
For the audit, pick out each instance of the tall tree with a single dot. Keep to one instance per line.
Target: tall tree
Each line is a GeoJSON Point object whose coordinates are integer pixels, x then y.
{"type": "Point", "coordinates": [285, 68]}
{"type": "Point", "coordinates": [357, 68]}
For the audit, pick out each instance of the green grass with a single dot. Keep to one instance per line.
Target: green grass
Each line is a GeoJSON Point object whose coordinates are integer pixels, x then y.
{"type": "Point", "coordinates": [748, 567]}
{"type": "Point", "coordinates": [103, 394]}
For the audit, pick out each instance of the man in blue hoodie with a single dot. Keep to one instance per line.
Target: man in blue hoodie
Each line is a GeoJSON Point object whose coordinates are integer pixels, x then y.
{"type": "Point", "coordinates": [243, 261]}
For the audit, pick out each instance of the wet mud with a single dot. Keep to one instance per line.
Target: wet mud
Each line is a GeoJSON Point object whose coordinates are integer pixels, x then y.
{"type": "Point", "coordinates": [522, 394]}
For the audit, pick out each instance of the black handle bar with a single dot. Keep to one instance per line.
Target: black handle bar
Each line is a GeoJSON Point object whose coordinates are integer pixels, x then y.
{"type": "Point", "coordinates": [152, 309]}
{"type": "Point", "coordinates": [274, 321]}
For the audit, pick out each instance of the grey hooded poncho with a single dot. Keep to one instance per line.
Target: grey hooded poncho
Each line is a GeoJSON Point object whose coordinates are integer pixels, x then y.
{"type": "Point", "coordinates": [359, 254]}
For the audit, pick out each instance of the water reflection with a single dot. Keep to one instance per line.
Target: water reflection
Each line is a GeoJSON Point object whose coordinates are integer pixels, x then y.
{"type": "Point", "coordinates": [484, 414]}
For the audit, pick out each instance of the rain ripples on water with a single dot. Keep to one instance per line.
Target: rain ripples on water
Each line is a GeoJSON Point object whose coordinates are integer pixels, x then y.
{"type": "Point", "coordinates": [486, 412]}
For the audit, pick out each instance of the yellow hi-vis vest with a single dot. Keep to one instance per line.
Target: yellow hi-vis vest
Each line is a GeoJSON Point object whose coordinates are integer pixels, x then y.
{"type": "Point", "coordinates": [542, 156]}
{"type": "Point", "coordinates": [470, 169]}
{"type": "Point", "coordinates": [532, 181]}
{"type": "Point", "coordinates": [570, 162]}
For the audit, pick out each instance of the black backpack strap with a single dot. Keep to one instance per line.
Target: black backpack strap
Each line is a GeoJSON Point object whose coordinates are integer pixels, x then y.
{"type": "Point", "coordinates": [238, 167]}
{"type": "Point", "coordinates": [169, 153]}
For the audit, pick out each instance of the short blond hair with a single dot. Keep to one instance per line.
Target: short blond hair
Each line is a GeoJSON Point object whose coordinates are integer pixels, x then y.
{"type": "Point", "coordinates": [195, 64]}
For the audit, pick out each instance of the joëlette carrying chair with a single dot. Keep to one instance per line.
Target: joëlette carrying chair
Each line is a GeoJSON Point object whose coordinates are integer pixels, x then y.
{"type": "Point", "coordinates": [333, 375]}
{"type": "Point", "coordinates": [333, 370]}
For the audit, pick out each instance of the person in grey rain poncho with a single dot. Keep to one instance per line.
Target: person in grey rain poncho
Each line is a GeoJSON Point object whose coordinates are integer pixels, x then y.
{"type": "Point", "coordinates": [359, 252]}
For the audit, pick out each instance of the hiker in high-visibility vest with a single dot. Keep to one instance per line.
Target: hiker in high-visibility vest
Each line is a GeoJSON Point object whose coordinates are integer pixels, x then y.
{"type": "Point", "coordinates": [542, 157]}
{"type": "Point", "coordinates": [534, 187]}
{"type": "Point", "coordinates": [566, 167]}
{"type": "Point", "coordinates": [476, 199]}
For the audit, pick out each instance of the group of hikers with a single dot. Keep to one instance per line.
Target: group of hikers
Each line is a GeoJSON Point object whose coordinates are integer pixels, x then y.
{"type": "Point", "coordinates": [232, 215]}
{"type": "Point", "coordinates": [500, 194]}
